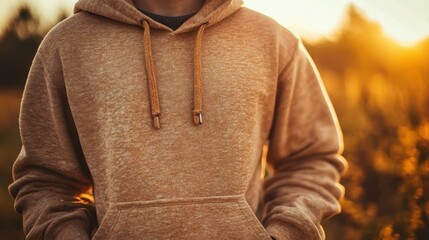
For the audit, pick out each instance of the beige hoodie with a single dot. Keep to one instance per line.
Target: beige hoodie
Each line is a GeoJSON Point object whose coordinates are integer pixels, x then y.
{"type": "Point", "coordinates": [168, 129]}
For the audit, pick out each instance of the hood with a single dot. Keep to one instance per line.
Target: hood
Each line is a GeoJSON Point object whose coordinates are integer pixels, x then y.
{"type": "Point", "coordinates": [125, 11]}
{"type": "Point", "coordinates": [211, 12]}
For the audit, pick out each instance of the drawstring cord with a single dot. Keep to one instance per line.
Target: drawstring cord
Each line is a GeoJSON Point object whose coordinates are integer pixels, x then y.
{"type": "Point", "coordinates": [198, 90]}
{"type": "Point", "coordinates": [151, 76]}
{"type": "Point", "coordinates": [197, 112]}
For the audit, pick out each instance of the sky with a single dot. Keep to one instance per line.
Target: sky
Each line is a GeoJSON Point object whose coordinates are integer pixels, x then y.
{"type": "Point", "coordinates": [407, 21]}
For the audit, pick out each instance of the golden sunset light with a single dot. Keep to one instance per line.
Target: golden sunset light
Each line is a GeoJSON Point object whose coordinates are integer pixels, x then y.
{"type": "Point", "coordinates": [405, 21]}
{"type": "Point", "coordinates": [370, 55]}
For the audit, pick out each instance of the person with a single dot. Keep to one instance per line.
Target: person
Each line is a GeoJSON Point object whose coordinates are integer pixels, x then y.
{"type": "Point", "coordinates": [149, 119]}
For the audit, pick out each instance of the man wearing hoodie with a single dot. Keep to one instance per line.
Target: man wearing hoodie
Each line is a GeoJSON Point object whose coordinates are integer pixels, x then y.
{"type": "Point", "coordinates": [164, 109]}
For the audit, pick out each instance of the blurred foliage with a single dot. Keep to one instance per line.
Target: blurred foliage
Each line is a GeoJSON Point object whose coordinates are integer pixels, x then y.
{"type": "Point", "coordinates": [378, 88]}
{"type": "Point", "coordinates": [18, 44]}
{"type": "Point", "coordinates": [381, 95]}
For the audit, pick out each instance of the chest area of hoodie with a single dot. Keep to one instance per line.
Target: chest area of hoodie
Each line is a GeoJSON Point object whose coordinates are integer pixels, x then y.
{"type": "Point", "coordinates": [108, 92]}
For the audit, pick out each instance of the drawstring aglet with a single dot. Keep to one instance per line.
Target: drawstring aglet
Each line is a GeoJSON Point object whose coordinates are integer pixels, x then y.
{"type": "Point", "coordinates": [200, 118]}
{"type": "Point", "coordinates": [156, 123]}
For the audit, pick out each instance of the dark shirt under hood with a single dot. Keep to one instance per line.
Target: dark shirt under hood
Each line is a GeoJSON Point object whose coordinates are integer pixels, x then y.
{"type": "Point", "coordinates": [171, 22]}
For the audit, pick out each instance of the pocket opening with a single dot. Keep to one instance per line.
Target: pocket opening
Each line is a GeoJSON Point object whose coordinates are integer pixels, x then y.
{"type": "Point", "coordinates": [217, 217]}
{"type": "Point", "coordinates": [107, 224]}
{"type": "Point", "coordinates": [247, 212]}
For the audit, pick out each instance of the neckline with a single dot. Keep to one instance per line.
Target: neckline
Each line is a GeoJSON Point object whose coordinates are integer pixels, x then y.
{"type": "Point", "coordinates": [165, 16]}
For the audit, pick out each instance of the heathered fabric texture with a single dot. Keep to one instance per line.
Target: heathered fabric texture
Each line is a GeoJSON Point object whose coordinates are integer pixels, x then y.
{"type": "Point", "coordinates": [86, 120]}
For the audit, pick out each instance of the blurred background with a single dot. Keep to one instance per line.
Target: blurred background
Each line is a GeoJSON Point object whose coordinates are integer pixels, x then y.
{"type": "Point", "coordinates": [373, 58]}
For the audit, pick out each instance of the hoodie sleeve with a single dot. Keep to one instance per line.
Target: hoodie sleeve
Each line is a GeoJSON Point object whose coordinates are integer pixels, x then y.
{"type": "Point", "coordinates": [50, 173]}
{"type": "Point", "coordinates": [304, 154]}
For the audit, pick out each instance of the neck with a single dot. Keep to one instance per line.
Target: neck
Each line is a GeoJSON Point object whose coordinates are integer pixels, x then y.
{"type": "Point", "coordinates": [169, 7]}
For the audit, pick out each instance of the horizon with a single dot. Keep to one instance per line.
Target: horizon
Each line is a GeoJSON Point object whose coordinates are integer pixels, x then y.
{"type": "Point", "coordinates": [320, 21]}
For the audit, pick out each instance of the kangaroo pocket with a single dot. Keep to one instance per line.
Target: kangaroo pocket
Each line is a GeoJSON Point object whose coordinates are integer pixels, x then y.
{"type": "Point", "coordinates": [217, 217]}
